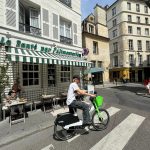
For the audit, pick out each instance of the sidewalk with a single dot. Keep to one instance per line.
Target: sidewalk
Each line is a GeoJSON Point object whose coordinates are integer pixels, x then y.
{"type": "Point", "coordinates": [35, 122]}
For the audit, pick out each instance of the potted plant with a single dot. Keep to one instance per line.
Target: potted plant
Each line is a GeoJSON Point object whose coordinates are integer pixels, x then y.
{"type": "Point", "coordinates": [4, 81]}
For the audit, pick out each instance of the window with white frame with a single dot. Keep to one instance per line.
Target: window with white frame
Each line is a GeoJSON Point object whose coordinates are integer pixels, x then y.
{"type": "Point", "coordinates": [115, 61]}
{"type": "Point", "coordinates": [139, 45]}
{"type": "Point", "coordinates": [130, 29]}
{"type": "Point", "coordinates": [30, 74]}
{"type": "Point", "coordinates": [138, 7]}
{"type": "Point", "coordinates": [131, 59]}
{"type": "Point", "coordinates": [130, 43]}
{"type": "Point", "coordinates": [146, 31]}
{"type": "Point", "coordinates": [65, 29]}
{"type": "Point", "coordinates": [145, 9]}
{"type": "Point", "coordinates": [138, 19]}
{"type": "Point", "coordinates": [139, 30]}
{"type": "Point", "coordinates": [34, 18]}
{"type": "Point", "coordinates": [95, 47]}
{"type": "Point", "coordinates": [129, 18]}
{"type": "Point", "coordinates": [148, 59]}
{"type": "Point", "coordinates": [129, 6]}
{"type": "Point", "coordinates": [146, 21]}
{"type": "Point", "coordinates": [114, 11]}
{"type": "Point", "coordinates": [114, 33]}
{"type": "Point", "coordinates": [65, 73]}
{"type": "Point", "coordinates": [148, 45]}
{"type": "Point", "coordinates": [140, 60]}
{"type": "Point", "coordinates": [115, 47]}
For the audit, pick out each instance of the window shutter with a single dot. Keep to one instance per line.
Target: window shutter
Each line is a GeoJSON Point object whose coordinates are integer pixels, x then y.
{"type": "Point", "coordinates": [55, 27]}
{"type": "Point", "coordinates": [75, 38]}
{"type": "Point", "coordinates": [11, 13]}
{"type": "Point", "coordinates": [45, 22]}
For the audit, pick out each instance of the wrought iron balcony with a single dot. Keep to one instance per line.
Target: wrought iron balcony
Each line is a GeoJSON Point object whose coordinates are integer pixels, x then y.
{"type": "Point", "coordinates": [29, 29]}
{"type": "Point", "coordinates": [66, 2]}
{"type": "Point", "coordinates": [132, 64]}
{"type": "Point", "coordinates": [65, 40]}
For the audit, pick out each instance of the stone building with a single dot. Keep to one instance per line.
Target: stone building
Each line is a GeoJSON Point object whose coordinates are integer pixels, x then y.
{"type": "Point", "coordinates": [95, 39]}
{"type": "Point", "coordinates": [129, 32]}
{"type": "Point", "coordinates": [42, 42]}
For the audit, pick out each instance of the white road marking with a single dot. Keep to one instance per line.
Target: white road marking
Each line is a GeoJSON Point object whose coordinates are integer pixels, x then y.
{"type": "Point", "coordinates": [62, 110]}
{"type": "Point", "coordinates": [49, 147]}
{"type": "Point", "coordinates": [111, 111]}
{"type": "Point", "coordinates": [120, 135]}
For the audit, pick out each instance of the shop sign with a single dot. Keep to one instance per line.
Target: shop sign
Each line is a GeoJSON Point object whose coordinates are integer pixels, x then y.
{"type": "Point", "coordinates": [31, 46]}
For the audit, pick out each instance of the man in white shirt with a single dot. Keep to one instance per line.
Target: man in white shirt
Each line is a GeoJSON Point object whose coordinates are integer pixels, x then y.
{"type": "Point", "coordinates": [72, 102]}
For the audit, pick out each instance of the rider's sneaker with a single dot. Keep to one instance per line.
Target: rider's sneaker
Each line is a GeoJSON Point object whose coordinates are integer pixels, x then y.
{"type": "Point", "coordinates": [87, 123]}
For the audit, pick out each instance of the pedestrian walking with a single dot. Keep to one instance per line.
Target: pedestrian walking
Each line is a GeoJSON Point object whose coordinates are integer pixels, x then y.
{"type": "Point", "coordinates": [147, 85]}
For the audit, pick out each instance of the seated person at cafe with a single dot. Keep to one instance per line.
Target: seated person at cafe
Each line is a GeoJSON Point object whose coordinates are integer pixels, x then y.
{"type": "Point", "coordinates": [12, 96]}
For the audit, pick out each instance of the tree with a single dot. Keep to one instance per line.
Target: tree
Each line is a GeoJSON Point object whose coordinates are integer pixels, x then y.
{"type": "Point", "coordinates": [4, 78]}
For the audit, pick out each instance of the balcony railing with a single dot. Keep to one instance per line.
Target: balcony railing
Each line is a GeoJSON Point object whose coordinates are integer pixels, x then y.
{"type": "Point", "coordinates": [65, 40]}
{"type": "Point", "coordinates": [29, 29]}
{"type": "Point", "coordinates": [66, 2]}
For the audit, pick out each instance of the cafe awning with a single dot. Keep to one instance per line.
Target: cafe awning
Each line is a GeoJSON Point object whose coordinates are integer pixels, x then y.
{"type": "Point", "coordinates": [32, 56]}
{"type": "Point", "coordinates": [93, 70]}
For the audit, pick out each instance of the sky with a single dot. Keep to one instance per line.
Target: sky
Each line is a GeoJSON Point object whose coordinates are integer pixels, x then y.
{"type": "Point", "coordinates": [88, 5]}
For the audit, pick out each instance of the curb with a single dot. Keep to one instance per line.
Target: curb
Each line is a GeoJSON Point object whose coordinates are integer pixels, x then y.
{"type": "Point", "coordinates": [16, 137]}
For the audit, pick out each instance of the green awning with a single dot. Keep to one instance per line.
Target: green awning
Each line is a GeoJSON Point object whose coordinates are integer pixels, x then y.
{"type": "Point", "coordinates": [93, 70]}
{"type": "Point", "coordinates": [32, 56]}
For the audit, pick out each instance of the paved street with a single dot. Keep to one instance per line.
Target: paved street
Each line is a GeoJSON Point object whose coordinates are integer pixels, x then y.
{"type": "Point", "coordinates": [129, 127]}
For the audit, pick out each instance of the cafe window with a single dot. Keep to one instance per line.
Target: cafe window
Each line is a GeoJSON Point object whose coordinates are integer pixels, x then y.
{"type": "Point", "coordinates": [51, 75]}
{"type": "Point", "coordinates": [65, 73]}
{"type": "Point", "coordinates": [30, 74]}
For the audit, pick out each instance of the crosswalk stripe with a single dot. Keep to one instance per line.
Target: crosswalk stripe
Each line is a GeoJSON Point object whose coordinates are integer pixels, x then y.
{"type": "Point", "coordinates": [49, 147]}
{"type": "Point", "coordinates": [111, 111]}
{"type": "Point", "coordinates": [120, 135]}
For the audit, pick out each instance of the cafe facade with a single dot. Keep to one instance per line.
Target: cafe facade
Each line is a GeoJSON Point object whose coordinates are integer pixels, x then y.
{"type": "Point", "coordinates": [41, 41]}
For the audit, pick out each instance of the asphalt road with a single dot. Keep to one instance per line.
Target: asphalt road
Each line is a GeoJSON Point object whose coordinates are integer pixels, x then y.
{"type": "Point", "coordinates": [129, 128]}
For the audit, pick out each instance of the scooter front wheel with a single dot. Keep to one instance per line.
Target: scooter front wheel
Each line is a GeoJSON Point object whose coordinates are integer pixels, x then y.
{"type": "Point", "coordinates": [100, 121]}
{"type": "Point", "coordinates": [62, 133]}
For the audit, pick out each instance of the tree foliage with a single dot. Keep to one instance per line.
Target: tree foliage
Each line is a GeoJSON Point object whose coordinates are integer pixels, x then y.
{"type": "Point", "coordinates": [4, 78]}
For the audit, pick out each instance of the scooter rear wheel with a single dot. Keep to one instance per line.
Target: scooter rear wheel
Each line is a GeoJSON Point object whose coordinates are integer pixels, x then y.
{"type": "Point", "coordinates": [62, 133]}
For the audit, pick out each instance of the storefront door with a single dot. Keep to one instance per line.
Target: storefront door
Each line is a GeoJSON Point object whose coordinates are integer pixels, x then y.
{"type": "Point", "coordinates": [139, 75]}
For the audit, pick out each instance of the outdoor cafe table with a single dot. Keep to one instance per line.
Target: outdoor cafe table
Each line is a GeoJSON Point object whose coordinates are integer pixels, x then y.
{"type": "Point", "coordinates": [13, 103]}
{"type": "Point", "coordinates": [48, 98]}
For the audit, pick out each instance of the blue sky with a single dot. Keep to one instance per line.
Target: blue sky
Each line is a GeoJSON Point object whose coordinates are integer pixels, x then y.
{"type": "Point", "coordinates": [88, 5]}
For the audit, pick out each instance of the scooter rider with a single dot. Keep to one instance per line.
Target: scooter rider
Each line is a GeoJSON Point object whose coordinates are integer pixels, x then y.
{"type": "Point", "coordinates": [73, 103]}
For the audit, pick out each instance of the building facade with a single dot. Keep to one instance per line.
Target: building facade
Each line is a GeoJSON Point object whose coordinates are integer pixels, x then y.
{"type": "Point", "coordinates": [42, 43]}
{"type": "Point", "coordinates": [95, 39]}
{"type": "Point", "coordinates": [129, 31]}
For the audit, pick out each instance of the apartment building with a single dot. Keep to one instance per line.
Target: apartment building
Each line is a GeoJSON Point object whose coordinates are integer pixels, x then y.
{"type": "Point", "coordinates": [42, 42]}
{"type": "Point", "coordinates": [129, 31]}
{"type": "Point", "coordinates": [95, 40]}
